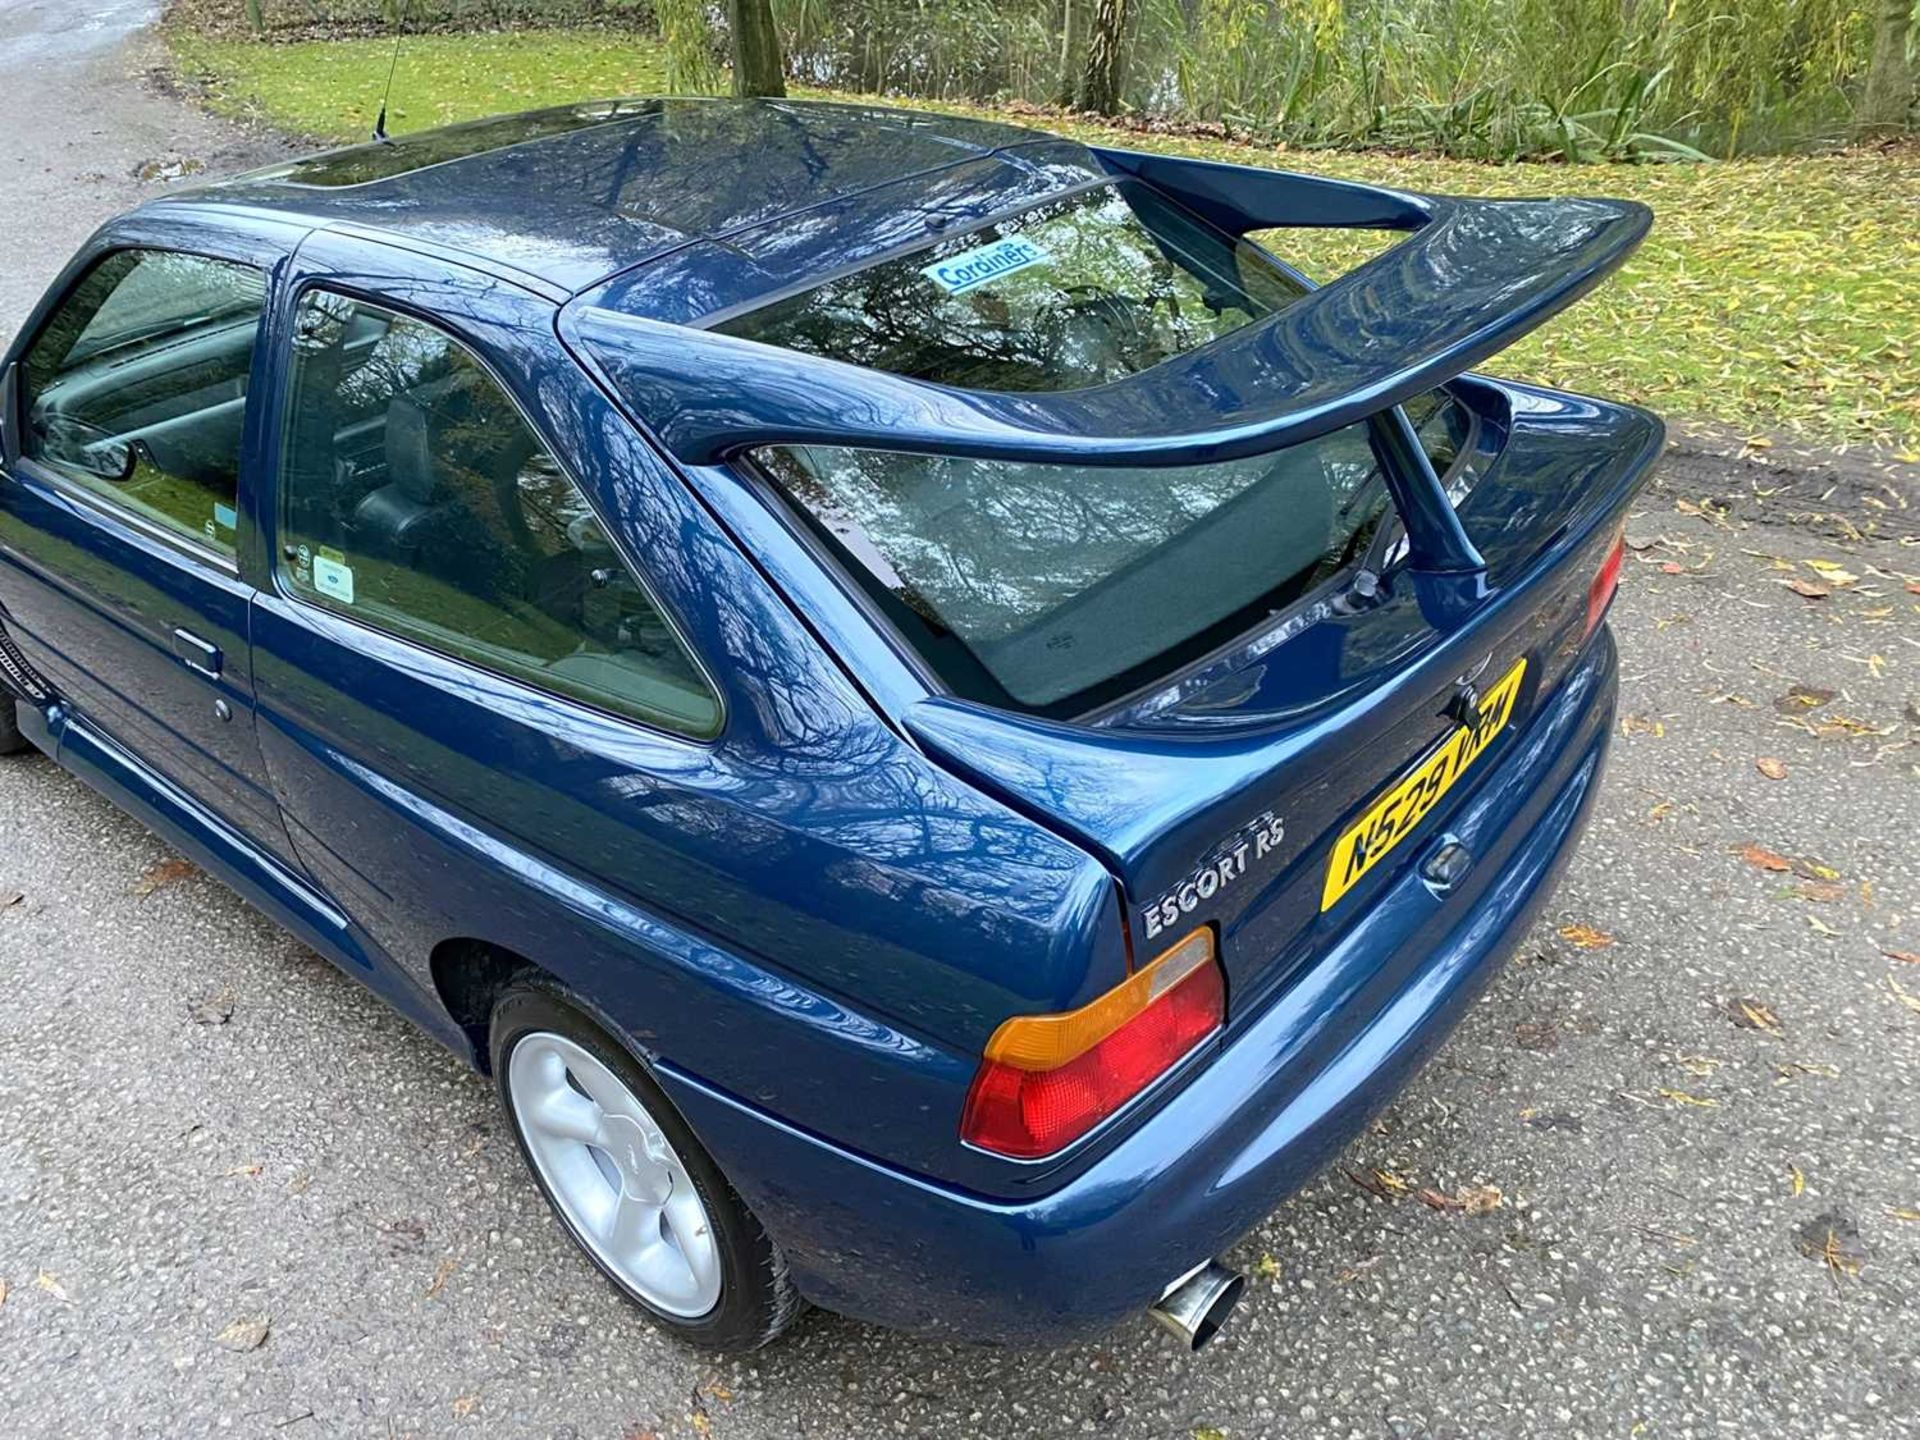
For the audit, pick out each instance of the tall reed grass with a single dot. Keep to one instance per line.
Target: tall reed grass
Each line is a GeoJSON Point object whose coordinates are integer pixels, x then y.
{"type": "Point", "coordinates": [1497, 79]}
{"type": "Point", "coordinates": [1573, 79]}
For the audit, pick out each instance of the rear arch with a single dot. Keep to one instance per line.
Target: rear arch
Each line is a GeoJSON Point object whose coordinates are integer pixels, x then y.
{"type": "Point", "coordinates": [469, 976]}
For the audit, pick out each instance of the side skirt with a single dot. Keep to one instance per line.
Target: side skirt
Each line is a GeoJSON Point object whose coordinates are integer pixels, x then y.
{"type": "Point", "coordinates": [229, 856]}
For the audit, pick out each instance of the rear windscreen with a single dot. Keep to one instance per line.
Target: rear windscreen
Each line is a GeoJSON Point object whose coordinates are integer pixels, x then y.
{"type": "Point", "coordinates": [1054, 588]}
{"type": "Point", "coordinates": [1076, 292]}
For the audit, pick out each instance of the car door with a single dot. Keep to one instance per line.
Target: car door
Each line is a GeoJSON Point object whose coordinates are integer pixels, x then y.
{"type": "Point", "coordinates": [124, 517]}
{"type": "Point", "coordinates": [447, 623]}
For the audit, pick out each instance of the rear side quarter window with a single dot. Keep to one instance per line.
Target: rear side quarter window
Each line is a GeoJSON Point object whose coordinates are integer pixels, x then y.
{"type": "Point", "coordinates": [415, 496]}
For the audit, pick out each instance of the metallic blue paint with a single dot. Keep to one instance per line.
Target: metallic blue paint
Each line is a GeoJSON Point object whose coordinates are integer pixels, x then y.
{"type": "Point", "coordinates": [1474, 277]}
{"type": "Point", "coordinates": [583, 203]}
{"type": "Point", "coordinates": [1257, 1116]}
{"type": "Point", "coordinates": [811, 922]}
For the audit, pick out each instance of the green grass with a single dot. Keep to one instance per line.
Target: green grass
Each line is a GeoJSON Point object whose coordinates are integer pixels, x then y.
{"type": "Point", "coordinates": [330, 89]}
{"type": "Point", "coordinates": [1778, 294]}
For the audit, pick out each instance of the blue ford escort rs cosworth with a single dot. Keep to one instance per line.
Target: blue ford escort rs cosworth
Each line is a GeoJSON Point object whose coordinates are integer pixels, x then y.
{"type": "Point", "coordinates": [943, 723]}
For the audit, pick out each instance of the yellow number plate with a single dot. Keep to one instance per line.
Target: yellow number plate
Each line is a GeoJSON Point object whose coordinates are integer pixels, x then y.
{"type": "Point", "coordinates": [1392, 817]}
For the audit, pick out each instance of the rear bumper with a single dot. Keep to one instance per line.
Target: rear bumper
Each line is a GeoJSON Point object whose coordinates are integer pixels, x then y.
{"type": "Point", "coordinates": [1275, 1104]}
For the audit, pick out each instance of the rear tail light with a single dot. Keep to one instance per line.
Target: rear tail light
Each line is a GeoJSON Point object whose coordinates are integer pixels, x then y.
{"type": "Point", "coordinates": [1046, 1080]}
{"type": "Point", "coordinates": [1606, 580]}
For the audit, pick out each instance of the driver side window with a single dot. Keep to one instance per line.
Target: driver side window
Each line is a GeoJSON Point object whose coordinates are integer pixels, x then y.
{"type": "Point", "coordinates": [136, 390]}
{"type": "Point", "coordinates": [415, 497]}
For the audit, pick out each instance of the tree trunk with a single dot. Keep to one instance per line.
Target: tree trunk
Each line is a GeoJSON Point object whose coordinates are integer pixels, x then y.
{"type": "Point", "coordinates": [1888, 103]}
{"type": "Point", "coordinates": [757, 66]}
{"type": "Point", "coordinates": [1073, 45]}
{"type": "Point", "coordinates": [1106, 72]}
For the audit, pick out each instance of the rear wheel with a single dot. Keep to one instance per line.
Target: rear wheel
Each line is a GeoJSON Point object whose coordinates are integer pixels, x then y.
{"type": "Point", "coordinates": [628, 1180]}
{"type": "Point", "coordinates": [11, 740]}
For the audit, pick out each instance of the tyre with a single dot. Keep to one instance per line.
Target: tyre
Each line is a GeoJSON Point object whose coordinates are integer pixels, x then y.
{"type": "Point", "coordinates": [628, 1180]}
{"type": "Point", "coordinates": [11, 740]}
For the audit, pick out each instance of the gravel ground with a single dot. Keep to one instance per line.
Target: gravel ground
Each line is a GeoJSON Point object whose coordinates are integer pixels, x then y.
{"type": "Point", "coordinates": [1709, 1218]}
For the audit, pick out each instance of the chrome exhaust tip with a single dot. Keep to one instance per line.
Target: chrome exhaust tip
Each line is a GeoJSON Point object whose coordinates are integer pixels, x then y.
{"type": "Point", "coordinates": [1199, 1302]}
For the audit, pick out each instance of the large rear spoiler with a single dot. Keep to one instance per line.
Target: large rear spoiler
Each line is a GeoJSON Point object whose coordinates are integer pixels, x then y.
{"type": "Point", "coordinates": [1473, 276]}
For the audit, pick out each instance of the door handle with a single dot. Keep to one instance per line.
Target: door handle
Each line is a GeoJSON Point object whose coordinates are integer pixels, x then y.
{"type": "Point", "coordinates": [198, 656]}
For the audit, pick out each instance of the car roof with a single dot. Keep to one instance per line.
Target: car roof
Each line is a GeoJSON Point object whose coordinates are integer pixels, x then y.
{"type": "Point", "coordinates": [576, 195]}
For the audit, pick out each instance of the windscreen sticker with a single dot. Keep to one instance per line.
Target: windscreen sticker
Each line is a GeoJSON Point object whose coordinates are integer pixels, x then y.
{"type": "Point", "coordinates": [333, 578]}
{"type": "Point", "coordinates": [959, 273]}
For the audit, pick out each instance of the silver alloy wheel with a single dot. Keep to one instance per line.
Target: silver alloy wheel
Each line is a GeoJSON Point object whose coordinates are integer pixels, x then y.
{"type": "Point", "coordinates": [614, 1174]}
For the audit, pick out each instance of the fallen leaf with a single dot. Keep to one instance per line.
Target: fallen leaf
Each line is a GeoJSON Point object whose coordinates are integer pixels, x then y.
{"type": "Point", "coordinates": [1541, 1036]}
{"type": "Point", "coordinates": [167, 872]}
{"type": "Point", "coordinates": [1824, 891]}
{"type": "Point", "coordinates": [245, 1334]}
{"type": "Point", "coordinates": [465, 1406]}
{"type": "Point", "coordinates": [1806, 588]}
{"type": "Point", "coordinates": [1899, 1213]}
{"type": "Point", "coordinates": [1906, 957]}
{"type": "Point", "coordinates": [1209, 1432]}
{"type": "Point", "coordinates": [1831, 573]}
{"type": "Point", "coordinates": [1481, 1199]}
{"type": "Point", "coordinates": [53, 1287]}
{"type": "Point", "coordinates": [1391, 1183]}
{"type": "Point", "coordinates": [1705, 510]}
{"type": "Point", "coordinates": [1796, 1179]}
{"type": "Point", "coordinates": [1642, 725]}
{"type": "Point", "coordinates": [1832, 725]}
{"type": "Point", "coordinates": [1773, 769]}
{"type": "Point", "coordinates": [1585, 937]}
{"type": "Point", "coordinates": [1833, 1240]}
{"type": "Point", "coordinates": [717, 1390]}
{"type": "Point", "coordinates": [1667, 567]}
{"type": "Point", "coordinates": [1701, 1065]}
{"type": "Point", "coordinates": [1751, 1014]}
{"type": "Point", "coordinates": [249, 1171]}
{"type": "Point", "coordinates": [1905, 997]}
{"type": "Point", "coordinates": [1787, 1069]}
{"type": "Point", "coordinates": [441, 1275]}
{"type": "Point", "coordinates": [1763, 859]}
{"type": "Point", "coordinates": [214, 1009]}
{"type": "Point", "coordinates": [1801, 698]}
{"type": "Point", "coordinates": [1474, 1200]}
{"type": "Point", "coordinates": [10, 898]}
{"type": "Point", "coordinates": [1266, 1267]}
{"type": "Point", "coordinates": [1681, 1097]}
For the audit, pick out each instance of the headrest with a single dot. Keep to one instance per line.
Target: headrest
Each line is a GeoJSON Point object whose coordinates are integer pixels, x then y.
{"type": "Point", "coordinates": [445, 427]}
{"type": "Point", "coordinates": [411, 466]}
